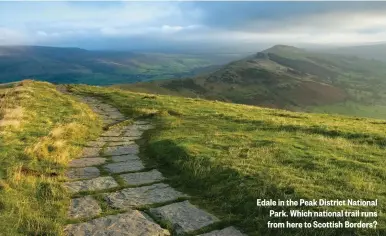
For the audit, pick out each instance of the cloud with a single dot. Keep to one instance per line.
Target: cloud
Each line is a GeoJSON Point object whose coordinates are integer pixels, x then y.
{"type": "Point", "coordinates": [174, 28]}
{"type": "Point", "coordinates": [297, 23]}
{"type": "Point", "coordinates": [42, 33]}
{"type": "Point", "coordinates": [11, 37]}
{"type": "Point", "coordinates": [159, 31]}
{"type": "Point", "coordinates": [232, 25]}
{"type": "Point", "coordinates": [326, 22]}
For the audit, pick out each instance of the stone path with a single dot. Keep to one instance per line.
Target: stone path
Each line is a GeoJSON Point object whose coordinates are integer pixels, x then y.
{"type": "Point", "coordinates": [110, 184]}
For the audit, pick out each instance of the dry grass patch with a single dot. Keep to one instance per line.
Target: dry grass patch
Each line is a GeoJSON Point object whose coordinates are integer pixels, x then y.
{"type": "Point", "coordinates": [11, 117]}
{"type": "Point", "coordinates": [55, 146]}
{"type": "Point", "coordinates": [42, 130]}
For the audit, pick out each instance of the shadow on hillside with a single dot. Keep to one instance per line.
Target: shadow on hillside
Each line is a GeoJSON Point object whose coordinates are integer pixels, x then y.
{"type": "Point", "coordinates": [362, 138]}
{"type": "Point", "coordinates": [228, 193]}
{"type": "Point", "coordinates": [357, 137]}
{"type": "Point", "coordinates": [289, 116]}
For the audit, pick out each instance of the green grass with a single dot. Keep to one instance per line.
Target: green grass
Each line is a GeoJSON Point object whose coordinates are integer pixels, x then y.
{"type": "Point", "coordinates": [353, 109]}
{"type": "Point", "coordinates": [41, 130]}
{"type": "Point", "coordinates": [226, 156]}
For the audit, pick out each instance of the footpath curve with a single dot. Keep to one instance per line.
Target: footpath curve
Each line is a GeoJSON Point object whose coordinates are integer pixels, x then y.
{"type": "Point", "coordinates": [115, 194]}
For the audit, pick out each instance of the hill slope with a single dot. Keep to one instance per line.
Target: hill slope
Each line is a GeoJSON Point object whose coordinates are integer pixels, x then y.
{"type": "Point", "coordinates": [74, 65]}
{"type": "Point", "coordinates": [224, 155]}
{"type": "Point", "coordinates": [286, 77]}
{"type": "Point", "coordinates": [41, 130]}
{"type": "Point", "coordinates": [227, 155]}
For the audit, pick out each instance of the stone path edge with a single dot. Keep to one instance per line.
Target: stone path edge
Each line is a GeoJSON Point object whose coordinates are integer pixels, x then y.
{"type": "Point", "coordinates": [116, 174]}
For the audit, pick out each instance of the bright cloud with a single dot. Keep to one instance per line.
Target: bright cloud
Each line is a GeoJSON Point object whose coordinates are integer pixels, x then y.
{"type": "Point", "coordinates": [11, 36]}
{"type": "Point", "coordinates": [194, 24]}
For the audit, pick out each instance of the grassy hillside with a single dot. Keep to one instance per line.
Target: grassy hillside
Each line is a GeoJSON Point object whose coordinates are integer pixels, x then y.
{"type": "Point", "coordinates": [74, 65]}
{"type": "Point", "coordinates": [40, 131]}
{"type": "Point", "coordinates": [290, 78]}
{"type": "Point", "coordinates": [226, 156]}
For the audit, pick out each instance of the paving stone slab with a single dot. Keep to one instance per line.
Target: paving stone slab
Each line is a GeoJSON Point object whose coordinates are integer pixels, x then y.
{"type": "Point", "coordinates": [84, 207]}
{"type": "Point", "coordinates": [121, 150]}
{"type": "Point", "coordinates": [114, 144]}
{"type": "Point", "coordinates": [83, 173]}
{"type": "Point", "coordinates": [116, 119]}
{"type": "Point", "coordinates": [141, 122]}
{"type": "Point", "coordinates": [90, 99]}
{"type": "Point", "coordinates": [112, 112]}
{"type": "Point", "coordinates": [116, 116]}
{"type": "Point", "coordinates": [144, 127]}
{"type": "Point", "coordinates": [111, 109]}
{"type": "Point", "coordinates": [95, 144]}
{"type": "Point", "coordinates": [101, 112]}
{"type": "Point", "coordinates": [142, 177]}
{"type": "Point", "coordinates": [117, 139]}
{"type": "Point", "coordinates": [91, 152]}
{"type": "Point", "coordinates": [141, 196]}
{"type": "Point", "coordinates": [133, 223]}
{"type": "Point", "coordinates": [105, 106]}
{"type": "Point", "coordinates": [126, 166]}
{"type": "Point", "coordinates": [184, 216]}
{"type": "Point", "coordinates": [112, 133]}
{"type": "Point", "coordinates": [99, 183]}
{"type": "Point", "coordinates": [88, 161]}
{"type": "Point", "coordinates": [128, 157]}
{"type": "Point", "coordinates": [230, 231]}
{"type": "Point", "coordinates": [109, 121]}
{"type": "Point", "coordinates": [132, 133]}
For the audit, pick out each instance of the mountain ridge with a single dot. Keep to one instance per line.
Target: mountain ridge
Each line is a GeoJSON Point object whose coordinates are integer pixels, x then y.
{"type": "Point", "coordinates": [284, 77]}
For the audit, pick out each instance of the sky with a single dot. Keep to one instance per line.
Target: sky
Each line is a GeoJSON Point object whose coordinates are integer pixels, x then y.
{"type": "Point", "coordinates": [191, 26]}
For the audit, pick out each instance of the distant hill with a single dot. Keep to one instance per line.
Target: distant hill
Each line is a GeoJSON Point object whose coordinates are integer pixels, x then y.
{"type": "Point", "coordinates": [377, 51]}
{"type": "Point", "coordinates": [291, 78]}
{"type": "Point", "coordinates": [74, 65]}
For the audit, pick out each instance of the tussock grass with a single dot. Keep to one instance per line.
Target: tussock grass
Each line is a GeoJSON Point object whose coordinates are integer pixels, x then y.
{"type": "Point", "coordinates": [41, 130]}
{"type": "Point", "coordinates": [226, 156]}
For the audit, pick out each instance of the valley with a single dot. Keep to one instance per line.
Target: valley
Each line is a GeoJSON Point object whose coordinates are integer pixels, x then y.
{"type": "Point", "coordinates": [75, 65]}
